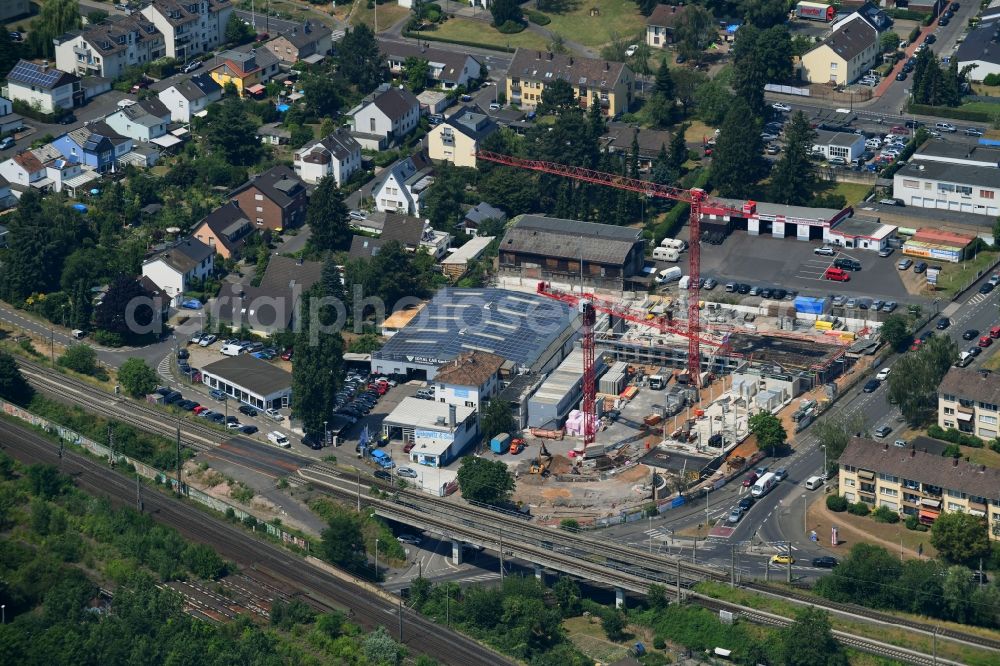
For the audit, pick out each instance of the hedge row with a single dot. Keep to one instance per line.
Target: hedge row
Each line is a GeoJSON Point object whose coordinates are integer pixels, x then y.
{"type": "Point", "coordinates": [678, 215]}
{"type": "Point", "coordinates": [908, 14]}
{"type": "Point", "coordinates": [954, 436]}
{"type": "Point", "coordinates": [430, 37]}
{"type": "Point", "coordinates": [956, 113]}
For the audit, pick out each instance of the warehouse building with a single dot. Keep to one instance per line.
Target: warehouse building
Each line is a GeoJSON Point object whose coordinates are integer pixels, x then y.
{"type": "Point", "coordinates": [938, 245]}
{"type": "Point", "coordinates": [778, 220]}
{"type": "Point", "coordinates": [963, 188]}
{"type": "Point", "coordinates": [440, 432]}
{"type": "Point", "coordinates": [561, 392]}
{"type": "Point", "coordinates": [862, 233]}
{"type": "Point", "coordinates": [531, 332]}
{"type": "Point", "coordinates": [549, 248]}
{"type": "Point", "coordinates": [250, 380]}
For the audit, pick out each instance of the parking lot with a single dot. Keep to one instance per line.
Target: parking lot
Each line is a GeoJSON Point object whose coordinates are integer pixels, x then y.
{"type": "Point", "coordinates": [791, 264]}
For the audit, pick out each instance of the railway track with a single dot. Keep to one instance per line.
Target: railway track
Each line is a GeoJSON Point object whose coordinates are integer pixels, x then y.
{"type": "Point", "coordinates": [852, 609]}
{"type": "Point", "coordinates": [868, 645]}
{"type": "Point", "coordinates": [233, 543]}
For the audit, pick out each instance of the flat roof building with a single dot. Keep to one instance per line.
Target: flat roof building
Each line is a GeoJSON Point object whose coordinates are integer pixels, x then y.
{"type": "Point", "coordinates": [918, 483]}
{"type": "Point", "coordinates": [250, 380]}
{"type": "Point", "coordinates": [440, 432]}
{"type": "Point", "coordinates": [533, 332]}
{"type": "Point", "coordinates": [962, 188]}
{"type": "Point", "coordinates": [561, 392]}
{"type": "Point", "coordinates": [861, 232]}
{"type": "Point", "coordinates": [778, 220]}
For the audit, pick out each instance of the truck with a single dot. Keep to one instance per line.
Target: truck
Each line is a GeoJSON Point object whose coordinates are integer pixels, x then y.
{"type": "Point", "coordinates": [500, 443]}
{"type": "Point", "coordinates": [815, 11]}
{"type": "Point", "coordinates": [657, 382]}
{"type": "Point", "coordinates": [764, 485]}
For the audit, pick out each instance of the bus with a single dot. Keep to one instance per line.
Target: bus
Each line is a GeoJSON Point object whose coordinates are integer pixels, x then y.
{"type": "Point", "coordinates": [764, 485]}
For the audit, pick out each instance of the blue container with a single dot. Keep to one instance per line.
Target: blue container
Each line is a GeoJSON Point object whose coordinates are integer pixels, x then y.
{"type": "Point", "coordinates": [810, 305]}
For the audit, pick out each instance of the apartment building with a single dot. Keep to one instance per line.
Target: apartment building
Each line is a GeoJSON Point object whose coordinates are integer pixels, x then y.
{"type": "Point", "coordinates": [843, 57]}
{"type": "Point", "coordinates": [969, 401]}
{"type": "Point", "coordinates": [189, 27]}
{"type": "Point", "coordinates": [918, 483]}
{"type": "Point", "coordinates": [607, 83]}
{"type": "Point", "coordinates": [110, 47]}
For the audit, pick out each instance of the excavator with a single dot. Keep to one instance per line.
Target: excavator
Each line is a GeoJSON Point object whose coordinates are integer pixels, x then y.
{"type": "Point", "coordinates": [540, 465]}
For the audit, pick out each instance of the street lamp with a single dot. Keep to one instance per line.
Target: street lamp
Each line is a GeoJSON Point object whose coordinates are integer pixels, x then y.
{"type": "Point", "coordinates": [825, 464]}
{"type": "Point", "coordinates": [376, 559]}
{"type": "Point", "coordinates": [3, 613]}
{"type": "Point", "coordinates": [326, 435]}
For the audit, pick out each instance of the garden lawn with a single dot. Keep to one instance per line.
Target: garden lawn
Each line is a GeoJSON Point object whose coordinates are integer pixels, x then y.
{"type": "Point", "coordinates": [617, 17]}
{"type": "Point", "coordinates": [590, 639]}
{"type": "Point", "coordinates": [480, 32]}
{"type": "Point", "coordinates": [388, 14]}
{"type": "Point", "coordinates": [853, 192]}
{"type": "Point", "coordinates": [955, 276]}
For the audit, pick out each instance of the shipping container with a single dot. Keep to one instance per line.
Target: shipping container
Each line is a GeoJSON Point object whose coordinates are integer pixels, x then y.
{"type": "Point", "coordinates": [500, 443]}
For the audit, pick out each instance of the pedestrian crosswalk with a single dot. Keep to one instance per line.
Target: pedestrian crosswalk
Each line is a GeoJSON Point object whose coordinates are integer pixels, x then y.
{"type": "Point", "coordinates": [657, 533]}
{"type": "Point", "coordinates": [978, 298]}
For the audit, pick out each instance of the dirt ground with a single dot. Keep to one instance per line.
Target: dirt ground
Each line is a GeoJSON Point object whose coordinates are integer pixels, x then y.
{"type": "Point", "coordinates": [862, 529]}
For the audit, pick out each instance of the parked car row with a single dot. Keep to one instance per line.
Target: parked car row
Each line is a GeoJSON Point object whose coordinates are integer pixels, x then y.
{"type": "Point", "coordinates": [235, 347]}
{"type": "Point", "coordinates": [861, 303]}
{"type": "Point", "coordinates": [360, 395]}
{"type": "Point", "coordinates": [770, 293]}
{"type": "Point", "coordinates": [172, 397]}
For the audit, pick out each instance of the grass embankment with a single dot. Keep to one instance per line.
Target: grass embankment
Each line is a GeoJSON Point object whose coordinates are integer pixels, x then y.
{"type": "Point", "coordinates": [891, 635]}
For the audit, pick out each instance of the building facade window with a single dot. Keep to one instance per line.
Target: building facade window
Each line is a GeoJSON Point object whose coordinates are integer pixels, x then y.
{"type": "Point", "coordinates": [889, 492]}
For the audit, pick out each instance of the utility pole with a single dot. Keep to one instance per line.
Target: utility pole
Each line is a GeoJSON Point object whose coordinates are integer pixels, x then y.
{"type": "Point", "coordinates": [401, 619]}
{"type": "Point", "coordinates": [500, 533]}
{"type": "Point", "coordinates": [694, 552]}
{"type": "Point", "coordinates": [359, 491]}
{"type": "Point", "coordinates": [447, 604]}
{"type": "Point", "coordinates": [111, 444]}
{"type": "Point", "coordinates": [52, 345]}
{"type": "Point", "coordinates": [788, 546]}
{"type": "Point", "coordinates": [138, 494]}
{"type": "Point", "coordinates": [650, 522]}
{"type": "Point", "coordinates": [732, 567]}
{"type": "Point", "coordinates": [179, 492]}
{"type": "Point", "coordinates": [678, 560]}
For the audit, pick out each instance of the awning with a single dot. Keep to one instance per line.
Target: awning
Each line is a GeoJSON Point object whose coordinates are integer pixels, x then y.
{"type": "Point", "coordinates": [929, 515]}
{"type": "Point", "coordinates": [256, 90]}
{"type": "Point", "coordinates": [962, 416]}
{"type": "Point", "coordinates": [977, 512]}
{"type": "Point", "coordinates": [931, 503]}
{"type": "Point", "coordinates": [867, 476]}
{"type": "Point", "coordinates": [166, 140]}
{"type": "Point", "coordinates": [180, 131]}
{"type": "Point", "coordinates": [201, 114]}
{"type": "Point", "coordinates": [314, 58]}
{"type": "Point", "coordinates": [81, 180]}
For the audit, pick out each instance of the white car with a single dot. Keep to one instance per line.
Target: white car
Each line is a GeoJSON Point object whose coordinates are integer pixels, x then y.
{"type": "Point", "coordinates": [883, 374]}
{"type": "Point", "coordinates": [780, 106]}
{"type": "Point", "coordinates": [495, 107]}
{"type": "Point", "coordinates": [408, 538]}
{"type": "Point", "coordinates": [278, 439]}
{"type": "Point", "coordinates": [125, 103]}
{"type": "Point", "coordinates": [274, 414]}
{"type": "Point", "coordinates": [630, 51]}
{"type": "Point", "coordinates": [207, 340]}
{"type": "Point", "coordinates": [874, 143]}
{"type": "Point", "coordinates": [407, 472]}
{"type": "Point", "coordinates": [191, 66]}
{"type": "Point", "coordinates": [826, 250]}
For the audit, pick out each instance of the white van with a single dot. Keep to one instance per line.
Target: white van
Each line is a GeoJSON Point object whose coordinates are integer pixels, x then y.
{"type": "Point", "coordinates": [666, 254]}
{"type": "Point", "coordinates": [814, 482]}
{"type": "Point", "coordinates": [684, 282]}
{"type": "Point", "coordinates": [668, 275]}
{"type": "Point", "coordinates": [278, 439]}
{"type": "Point", "coordinates": [232, 349]}
{"type": "Point", "coordinates": [673, 244]}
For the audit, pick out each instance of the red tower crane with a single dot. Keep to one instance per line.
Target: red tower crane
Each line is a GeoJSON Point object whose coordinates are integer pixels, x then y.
{"type": "Point", "coordinates": [590, 304]}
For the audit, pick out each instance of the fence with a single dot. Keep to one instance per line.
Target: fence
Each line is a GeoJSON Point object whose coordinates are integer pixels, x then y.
{"type": "Point", "coordinates": [142, 469]}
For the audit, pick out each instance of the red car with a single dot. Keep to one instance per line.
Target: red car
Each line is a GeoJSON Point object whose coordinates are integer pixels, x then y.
{"type": "Point", "coordinates": [287, 356]}
{"type": "Point", "coordinates": [896, 129]}
{"type": "Point", "coordinates": [837, 274]}
{"type": "Point", "coordinates": [750, 480]}
{"type": "Point", "coordinates": [408, 447]}
{"type": "Point", "coordinates": [199, 409]}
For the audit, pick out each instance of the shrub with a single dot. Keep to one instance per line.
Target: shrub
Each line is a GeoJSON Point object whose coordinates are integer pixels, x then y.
{"type": "Point", "coordinates": [510, 27]}
{"type": "Point", "coordinates": [570, 524]}
{"type": "Point", "coordinates": [995, 445]}
{"type": "Point", "coordinates": [537, 18]}
{"type": "Point", "coordinates": [913, 523]}
{"type": "Point", "coordinates": [992, 80]}
{"type": "Point", "coordinates": [914, 34]}
{"type": "Point", "coordinates": [837, 503]}
{"type": "Point", "coordinates": [859, 509]}
{"type": "Point", "coordinates": [885, 515]}
{"type": "Point", "coordinates": [952, 451]}
{"type": "Point", "coordinates": [659, 643]}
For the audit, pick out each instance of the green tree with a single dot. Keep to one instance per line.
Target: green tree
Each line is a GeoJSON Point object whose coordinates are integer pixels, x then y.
{"type": "Point", "coordinates": [567, 594]}
{"type": "Point", "coordinates": [323, 95]}
{"type": "Point", "coordinates": [57, 17]}
{"type": "Point", "coordinates": [225, 131]}
{"type": "Point", "coordinates": [360, 59]}
{"type": "Point", "coordinates": [613, 623]}
{"type": "Point", "coordinates": [764, 14]}
{"type": "Point", "coordinates": [126, 309]}
{"type": "Point", "coordinates": [365, 344]}
{"type": "Point", "coordinates": [238, 32]}
{"type": "Point", "coordinates": [737, 164]}
{"type": "Point", "coordinates": [13, 386]}
{"type": "Point", "coordinates": [760, 57]}
{"type": "Point", "coordinates": [82, 306]}
{"type": "Point", "coordinates": [80, 358]}
{"type": "Point", "coordinates": [996, 233]}
{"type": "Point", "coordinates": [497, 418]}
{"type": "Point", "coordinates": [327, 218]}
{"type": "Point", "coordinates": [505, 11]}
{"type": "Point", "coordinates": [557, 96]}
{"type": "Point", "coordinates": [713, 99]}
{"type": "Point", "coordinates": [693, 32]}
{"type": "Point", "coordinates": [443, 203]}
{"type": "Point", "coordinates": [769, 431]}
{"type": "Point", "coordinates": [10, 51]}
{"type": "Point", "coordinates": [664, 83]}
{"type": "Point", "coordinates": [137, 378]}
{"type": "Point", "coordinates": [793, 179]}
{"type": "Point", "coordinates": [418, 71]}
{"type": "Point", "coordinates": [895, 332]}
{"type": "Point", "coordinates": [379, 648]}
{"type": "Point", "coordinates": [686, 82]}
{"type": "Point", "coordinates": [809, 641]}
{"type": "Point", "coordinates": [960, 538]}
{"type": "Point", "coordinates": [342, 543]}
{"type": "Point", "coordinates": [888, 41]}
{"type": "Point", "coordinates": [863, 575]}
{"type": "Point", "coordinates": [319, 359]}
{"type": "Point", "coordinates": [486, 481]}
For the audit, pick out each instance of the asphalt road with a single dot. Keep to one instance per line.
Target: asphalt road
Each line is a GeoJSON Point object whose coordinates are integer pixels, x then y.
{"type": "Point", "coordinates": [234, 543]}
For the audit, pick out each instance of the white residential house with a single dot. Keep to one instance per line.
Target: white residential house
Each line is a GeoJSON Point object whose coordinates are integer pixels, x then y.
{"type": "Point", "coordinates": [337, 155]}
{"type": "Point", "coordinates": [174, 269]}
{"type": "Point", "coordinates": [390, 114]}
{"type": "Point", "coordinates": [43, 86]}
{"type": "Point", "coordinates": [189, 27]}
{"type": "Point", "coordinates": [143, 121]}
{"type": "Point", "coordinates": [469, 380]}
{"type": "Point", "coordinates": [24, 170]}
{"type": "Point", "coordinates": [189, 98]}
{"type": "Point", "coordinates": [447, 69]}
{"type": "Point", "coordinates": [458, 138]}
{"type": "Point", "coordinates": [399, 188]}
{"type": "Point", "coordinates": [110, 47]}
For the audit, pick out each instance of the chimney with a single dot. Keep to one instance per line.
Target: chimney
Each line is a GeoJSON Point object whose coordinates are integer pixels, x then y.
{"type": "Point", "coordinates": [451, 416]}
{"type": "Point", "coordinates": [45, 65]}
